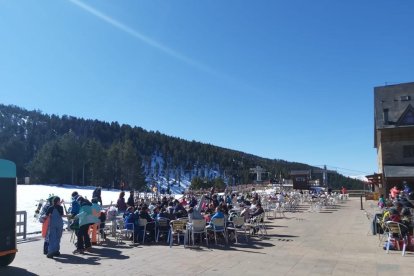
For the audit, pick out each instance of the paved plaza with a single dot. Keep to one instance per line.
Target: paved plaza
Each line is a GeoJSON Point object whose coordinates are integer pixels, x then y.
{"type": "Point", "coordinates": [334, 241]}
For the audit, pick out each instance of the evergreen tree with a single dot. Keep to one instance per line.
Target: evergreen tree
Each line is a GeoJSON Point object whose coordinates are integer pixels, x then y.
{"type": "Point", "coordinates": [95, 163]}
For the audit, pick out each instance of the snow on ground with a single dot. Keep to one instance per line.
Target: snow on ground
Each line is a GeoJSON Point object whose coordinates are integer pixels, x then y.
{"type": "Point", "coordinates": [28, 197]}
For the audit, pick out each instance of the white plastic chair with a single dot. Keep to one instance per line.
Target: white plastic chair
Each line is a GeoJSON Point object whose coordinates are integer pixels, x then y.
{"type": "Point", "coordinates": [257, 223]}
{"type": "Point", "coordinates": [197, 226]}
{"type": "Point", "coordinates": [177, 227]}
{"type": "Point", "coordinates": [397, 231]}
{"type": "Point", "coordinates": [124, 230]}
{"type": "Point", "coordinates": [142, 225]}
{"type": "Point", "coordinates": [239, 227]}
{"type": "Point", "coordinates": [162, 226]}
{"type": "Point", "coordinates": [217, 225]}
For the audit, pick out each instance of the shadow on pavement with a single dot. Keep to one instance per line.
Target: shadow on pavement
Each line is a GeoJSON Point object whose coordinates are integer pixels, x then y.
{"type": "Point", "coordinates": [30, 239]}
{"type": "Point", "coordinates": [10, 270]}
{"type": "Point", "coordinates": [281, 236]}
{"type": "Point", "coordinates": [77, 259]}
{"type": "Point", "coordinates": [93, 257]}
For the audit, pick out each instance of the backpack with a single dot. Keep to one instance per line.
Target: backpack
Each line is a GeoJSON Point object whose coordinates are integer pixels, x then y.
{"type": "Point", "coordinates": [42, 214]}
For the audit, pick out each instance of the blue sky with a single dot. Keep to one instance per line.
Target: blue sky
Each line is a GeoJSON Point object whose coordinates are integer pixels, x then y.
{"type": "Point", "coordinates": [288, 80]}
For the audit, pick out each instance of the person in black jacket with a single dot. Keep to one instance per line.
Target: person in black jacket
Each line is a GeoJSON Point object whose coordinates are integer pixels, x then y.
{"type": "Point", "coordinates": [144, 214]}
{"type": "Point", "coordinates": [97, 194]}
{"type": "Point", "coordinates": [131, 200]}
{"type": "Point", "coordinates": [259, 211]}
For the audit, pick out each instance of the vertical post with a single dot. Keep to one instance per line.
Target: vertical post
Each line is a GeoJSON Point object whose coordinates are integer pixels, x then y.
{"type": "Point", "coordinates": [24, 224]}
{"type": "Point", "coordinates": [362, 207]}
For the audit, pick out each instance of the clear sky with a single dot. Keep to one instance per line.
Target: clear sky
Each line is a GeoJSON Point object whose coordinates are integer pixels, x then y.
{"type": "Point", "coordinates": [280, 79]}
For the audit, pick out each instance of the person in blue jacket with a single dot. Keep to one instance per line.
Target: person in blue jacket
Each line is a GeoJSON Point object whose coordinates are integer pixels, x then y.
{"type": "Point", "coordinates": [218, 214]}
{"type": "Point", "coordinates": [86, 219]}
{"type": "Point", "coordinates": [74, 209]}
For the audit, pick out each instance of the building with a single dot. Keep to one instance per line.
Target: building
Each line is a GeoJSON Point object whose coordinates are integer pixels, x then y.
{"type": "Point", "coordinates": [301, 179]}
{"type": "Point", "coordinates": [394, 135]}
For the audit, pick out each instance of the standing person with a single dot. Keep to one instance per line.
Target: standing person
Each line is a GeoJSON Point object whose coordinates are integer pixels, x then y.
{"type": "Point", "coordinates": [86, 219]}
{"type": "Point", "coordinates": [96, 211]}
{"type": "Point", "coordinates": [74, 209]}
{"type": "Point", "coordinates": [44, 219]}
{"type": "Point", "coordinates": [97, 194]}
{"type": "Point", "coordinates": [120, 204]}
{"type": "Point", "coordinates": [131, 200]}
{"type": "Point", "coordinates": [55, 229]}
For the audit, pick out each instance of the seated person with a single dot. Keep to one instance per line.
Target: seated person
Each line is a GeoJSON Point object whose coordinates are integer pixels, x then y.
{"type": "Point", "coordinates": [184, 202]}
{"type": "Point", "coordinates": [155, 212]}
{"type": "Point", "coordinates": [144, 214]}
{"type": "Point", "coordinates": [179, 210]}
{"type": "Point", "coordinates": [129, 210]}
{"type": "Point", "coordinates": [217, 214]}
{"type": "Point", "coordinates": [394, 192]}
{"type": "Point", "coordinates": [395, 215]}
{"type": "Point", "coordinates": [164, 202]}
{"type": "Point", "coordinates": [210, 209]}
{"type": "Point", "coordinates": [193, 202]}
{"type": "Point", "coordinates": [129, 218]}
{"type": "Point", "coordinates": [381, 201]}
{"type": "Point", "coordinates": [224, 209]}
{"type": "Point", "coordinates": [407, 189]}
{"type": "Point", "coordinates": [170, 208]}
{"type": "Point", "coordinates": [165, 214]}
{"type": "Point", "coordinates": [245, 213]}
{"type": "Point", "coordinates": [214, 200]}
{"type": "Point", "coordinates": [259, 211]}
{"type": "Point", "coordinates": [253, 216]}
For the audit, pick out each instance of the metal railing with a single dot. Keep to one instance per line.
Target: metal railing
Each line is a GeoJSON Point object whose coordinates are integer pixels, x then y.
{"type": "Point", "coordinates": [21, 224]}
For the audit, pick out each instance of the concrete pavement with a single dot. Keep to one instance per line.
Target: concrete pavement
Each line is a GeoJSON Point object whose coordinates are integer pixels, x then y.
{"type": "Point", "coordinates": [331, 242]}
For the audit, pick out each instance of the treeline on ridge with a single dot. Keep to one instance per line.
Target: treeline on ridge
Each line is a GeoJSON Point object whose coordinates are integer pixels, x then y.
{"type": "Point", "coordinates": [56, 150]}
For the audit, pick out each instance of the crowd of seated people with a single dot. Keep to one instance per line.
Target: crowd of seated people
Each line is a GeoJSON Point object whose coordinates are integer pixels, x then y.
{"type": "Point", "coordinates": [191, 207]}
{"type": "Point", "coordinates": [397, 208]}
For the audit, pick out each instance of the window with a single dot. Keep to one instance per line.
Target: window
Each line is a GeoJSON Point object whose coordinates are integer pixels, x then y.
{"type": "Point", "coordinates": [408, 151]}
{"type": "Point", "coordinates": [385, 113]}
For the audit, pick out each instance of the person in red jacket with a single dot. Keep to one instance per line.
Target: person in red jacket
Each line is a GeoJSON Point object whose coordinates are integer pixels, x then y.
{"type": "Point", "coordinates": [394, 192]}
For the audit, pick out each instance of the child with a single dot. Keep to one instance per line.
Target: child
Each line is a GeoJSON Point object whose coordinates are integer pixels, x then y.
{"type": "Point", "coordinates": [381, 202]}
